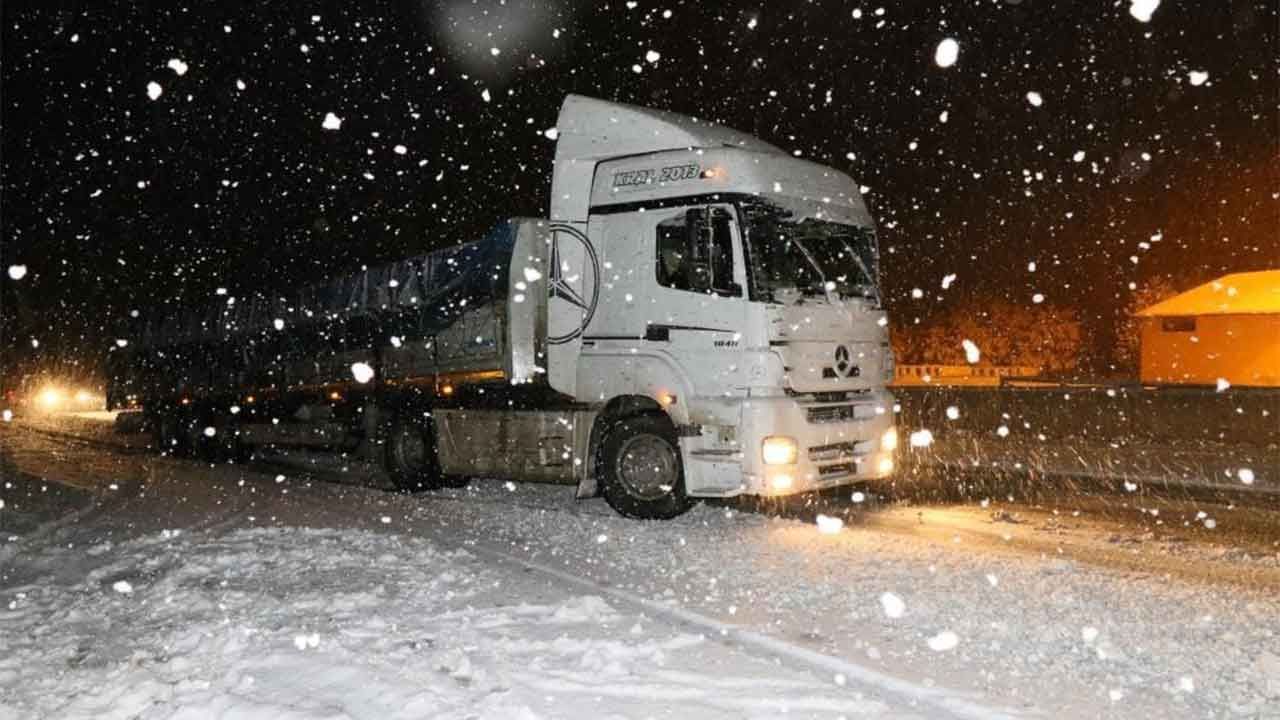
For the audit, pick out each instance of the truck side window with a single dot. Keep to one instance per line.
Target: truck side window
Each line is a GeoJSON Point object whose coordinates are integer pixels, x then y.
{"type": "Point", "coordinates": [695, 252]}
{"type": "Point", "coordinates": [673, 271]}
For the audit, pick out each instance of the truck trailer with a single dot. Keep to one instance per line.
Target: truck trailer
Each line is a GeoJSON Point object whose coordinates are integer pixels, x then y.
{"type": "Point", "coordinates": [698, 317]}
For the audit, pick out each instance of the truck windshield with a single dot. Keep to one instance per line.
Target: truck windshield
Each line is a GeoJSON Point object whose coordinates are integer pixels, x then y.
{"type": "Point", "coordinates": [793, 260]}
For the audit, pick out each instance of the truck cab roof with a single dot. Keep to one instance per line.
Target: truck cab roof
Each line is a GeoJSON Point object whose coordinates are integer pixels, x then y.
{"type": "Point", "coordinates": [591, 130]}
{"type": "Point", "coordinates": [609, 154]}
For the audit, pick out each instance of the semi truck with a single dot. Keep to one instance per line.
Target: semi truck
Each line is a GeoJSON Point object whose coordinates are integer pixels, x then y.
{"type": "Point", "coordinates": [699, 316]}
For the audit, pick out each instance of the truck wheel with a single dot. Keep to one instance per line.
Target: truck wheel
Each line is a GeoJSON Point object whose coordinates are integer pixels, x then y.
{"type": "Point", "coordinates": [241, 452]}
{"type": "Point", "coordinates": [643, 476]}
{"type": "Point", "coordinates": [411, 459]}
{"type": "Point", "coordinates": [213, 450]}
{"type": "Point", "coordinates": [168, 435]}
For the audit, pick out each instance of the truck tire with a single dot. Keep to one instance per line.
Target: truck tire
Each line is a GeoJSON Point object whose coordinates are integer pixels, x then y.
{"type": "Point", "coordinates": [411, 458]}
{"type": "Point", "coordinates": [642, 472]}
{"type": "Point", "coordinates": [242, 453]}
{"type": "Point", "coordinates": [168, 434]}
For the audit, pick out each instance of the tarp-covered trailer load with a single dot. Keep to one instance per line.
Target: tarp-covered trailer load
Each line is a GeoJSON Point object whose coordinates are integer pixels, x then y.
{"type": "Point", "coordinates": [451, 314]}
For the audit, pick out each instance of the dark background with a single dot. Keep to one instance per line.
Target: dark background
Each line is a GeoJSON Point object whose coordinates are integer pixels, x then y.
{"type": "Point", "coordinates": [245, 190]}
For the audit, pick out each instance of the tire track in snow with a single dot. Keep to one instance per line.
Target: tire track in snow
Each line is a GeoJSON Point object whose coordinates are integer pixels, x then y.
{"type": "Point", "coordinates": [954, 704]}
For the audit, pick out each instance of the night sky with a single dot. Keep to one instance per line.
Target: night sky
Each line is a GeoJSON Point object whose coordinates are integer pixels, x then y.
{"type": "Point", "coordinates": [115, 201]}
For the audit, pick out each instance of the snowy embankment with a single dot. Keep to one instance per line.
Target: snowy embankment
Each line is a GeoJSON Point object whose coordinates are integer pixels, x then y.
{"type": "Point", "coordinates": [1131, 436]}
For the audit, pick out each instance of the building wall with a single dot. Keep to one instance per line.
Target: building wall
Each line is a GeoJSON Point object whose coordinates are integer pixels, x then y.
{"type": "Point", "coordinates": [1242, 349]}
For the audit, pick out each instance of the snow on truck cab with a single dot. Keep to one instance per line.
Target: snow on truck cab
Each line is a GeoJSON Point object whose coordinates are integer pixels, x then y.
{"type": "Point", "coordinates": [699, 317]}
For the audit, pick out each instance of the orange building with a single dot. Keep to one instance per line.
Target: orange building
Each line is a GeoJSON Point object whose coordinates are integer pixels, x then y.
{"type": "Point", "coordinates": [1226, 329]}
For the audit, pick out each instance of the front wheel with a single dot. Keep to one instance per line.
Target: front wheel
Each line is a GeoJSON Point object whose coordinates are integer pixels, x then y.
{"type": "Point", "coordinates": [643, 475]}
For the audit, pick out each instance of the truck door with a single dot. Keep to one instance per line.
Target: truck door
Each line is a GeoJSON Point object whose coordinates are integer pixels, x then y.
{"type": "Point", "coordinates": [573, 293]}
{"type": "Point", "coordinates": [700, 306]}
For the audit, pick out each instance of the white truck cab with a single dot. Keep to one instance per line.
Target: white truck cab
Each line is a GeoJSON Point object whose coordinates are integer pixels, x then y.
{"type": "Point", "coordinates": [734, 285]}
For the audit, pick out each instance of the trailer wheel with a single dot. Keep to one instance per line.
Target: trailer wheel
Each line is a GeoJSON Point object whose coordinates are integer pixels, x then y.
{"type": "Point", "coordinates": [168, 435]}
{"type": "Point", "coordinates": [411, 458]}
{"type": "Point", "coordinates": [213, 449]}
{"type": "Point", "coordinates": [643, 475]}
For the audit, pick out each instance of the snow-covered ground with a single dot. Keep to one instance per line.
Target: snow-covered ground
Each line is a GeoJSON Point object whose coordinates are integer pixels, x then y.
{"type": "Point", "coordinates": [134, 586]}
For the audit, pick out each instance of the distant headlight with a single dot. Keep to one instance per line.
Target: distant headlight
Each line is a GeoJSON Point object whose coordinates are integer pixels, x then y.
{"type": "Point", "coordinates": [779, 450]}
{"type": "Point", "coordinates": [889, 440]}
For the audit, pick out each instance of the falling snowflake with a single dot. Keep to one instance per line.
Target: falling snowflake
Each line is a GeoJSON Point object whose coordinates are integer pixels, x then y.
{"type": "Point", "coordinates": [828, 525]}
{"type": "Point", "coordinates": [178, 66]}
{"type": "Point", "coordinates": [971, 352]}
{"type": "Point", "coordinates": [361, 372]}
{"type": "Point", "coordinates": [947, 53]}
{"type": "Point", "coordinates": [302, 642]}
{"type": "Point", "coordinates": [943, 641]}
{"type": "Point", "coordinates": [123, 587]}
{"type": "Point", "coordinates": [921, 438]}
{"type": "Point", "coordinates": [1245, 475]}
{"type": "Point", "coordinates": [17, 272]}
{"type": "Point", "coordinates": [1034, 98]}
{"type": "Point", "coordinates": [652, 56]}
{"type": "Point", "coordinates": [1198, 77]}
{"type": "Point", "coordinates": [953, 413]}
{"type": "Point", "coordinates": [892, 605]}
{"type": "Point", "coordinates": [331, 122]}
{"type": "Point", "coordinates": [1141, 10]}
{"type": "Point", "coordinates": [154, 90]}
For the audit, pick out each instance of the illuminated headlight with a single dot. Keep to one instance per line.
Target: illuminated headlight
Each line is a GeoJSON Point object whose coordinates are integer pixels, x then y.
{"type": "Point", "coordinates": [885, 466]}
{"type": "Point", "coordinates": [889, 440]}
{"type": "Point", "coordinates": [779, 450]}
{"type": "Point", "coordinates": [781, 482]}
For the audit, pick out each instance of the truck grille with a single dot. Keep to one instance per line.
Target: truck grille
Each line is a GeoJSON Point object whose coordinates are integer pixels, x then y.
{"type": "Point", "coordinates": [828, 471]}
{"type": "Point", "coordinates": [840, 451]}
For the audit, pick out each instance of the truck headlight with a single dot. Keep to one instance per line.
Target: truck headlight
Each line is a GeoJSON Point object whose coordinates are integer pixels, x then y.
{"type": "Point", "coordinates": [779, 450]}
{"type": "Point", "coordinates": [889, 440]}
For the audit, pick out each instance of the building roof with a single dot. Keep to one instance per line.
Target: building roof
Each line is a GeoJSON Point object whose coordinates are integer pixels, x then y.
{"type": "Point", "coordinates": [1251, 293]}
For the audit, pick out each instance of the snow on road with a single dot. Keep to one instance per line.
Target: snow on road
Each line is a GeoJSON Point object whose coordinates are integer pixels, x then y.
{"type": "Point", "coordinates": [306, 623]}
{"type": "Point", "coordinates": [253, 597]}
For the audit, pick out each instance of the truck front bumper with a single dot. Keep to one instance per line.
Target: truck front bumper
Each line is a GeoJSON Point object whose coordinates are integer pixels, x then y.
{"type": "Point", "coordinates": [835, 443]}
